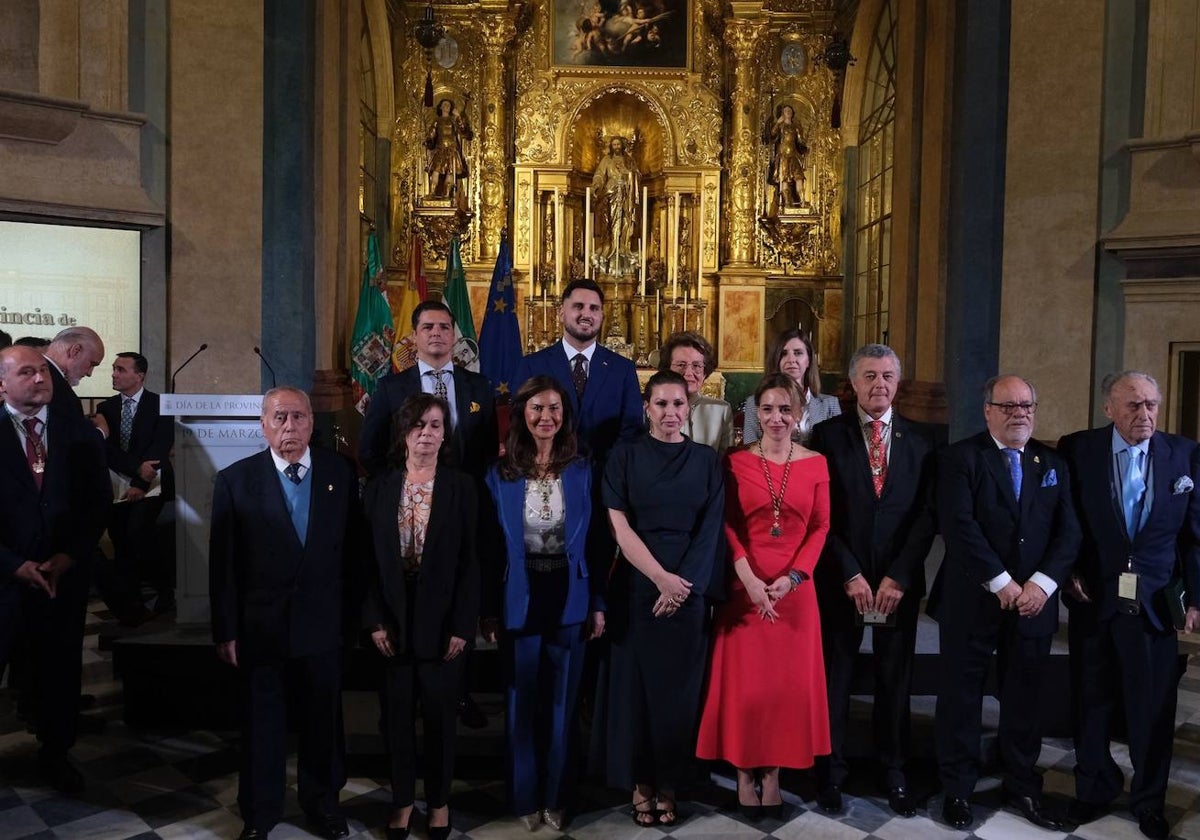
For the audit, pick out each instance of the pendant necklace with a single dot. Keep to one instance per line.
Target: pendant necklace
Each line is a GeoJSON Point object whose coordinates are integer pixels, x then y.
{"type": "Point", "coordinates": [544, 486]}
{"type": "Point", "coordinates": [777, 501]}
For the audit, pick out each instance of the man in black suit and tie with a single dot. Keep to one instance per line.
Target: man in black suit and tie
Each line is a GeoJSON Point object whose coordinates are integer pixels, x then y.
{"type": "Point", "coordinates": [872, 570]}
{"type": "Point", "coordinates": [1136, 495]}
{"type": "Point", "coordinates": [285, 526]}
{"type": "Point", "coordinates": [137, 449]}
{"type": "Point", "coordinates": [1004, 507]}
{"type": "Point", "coordinates": [472, 406]}
{"type": "Point", "coordinates": [54, 496]}
{"type": "Point", "coordinates": [475, 438]}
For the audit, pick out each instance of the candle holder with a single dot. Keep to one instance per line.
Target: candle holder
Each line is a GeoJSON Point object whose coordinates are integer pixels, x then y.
{"type": "Point", "coordinates": [641, 307]}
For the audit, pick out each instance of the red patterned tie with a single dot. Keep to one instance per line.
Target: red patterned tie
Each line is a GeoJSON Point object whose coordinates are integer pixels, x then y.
{"type": "Point", "coordinates": [877, 456]}
{"type": "Point", "coordinates": [35, 452]}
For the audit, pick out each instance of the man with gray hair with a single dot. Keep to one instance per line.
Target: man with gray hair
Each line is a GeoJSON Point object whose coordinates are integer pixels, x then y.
{"type": "Point", "coordinates": [285, 526]}
{"type": "Point", "coordinates": [1004, 507]}
{"type": "Point", "coordinates": [872, 569]}
{"type": "Point", "coordinates": [1136, 583]}
{"type": "Point", "coordinates": [73, 355]}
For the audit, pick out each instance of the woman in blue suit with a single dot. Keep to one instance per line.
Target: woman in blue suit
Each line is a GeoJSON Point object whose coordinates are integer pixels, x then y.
{"type": "Point", "coordinates": [542, 493]}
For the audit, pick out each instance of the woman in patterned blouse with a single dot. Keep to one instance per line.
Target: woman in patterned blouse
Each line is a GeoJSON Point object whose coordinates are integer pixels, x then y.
{"type": "Point", "coordinates": [422, 603]}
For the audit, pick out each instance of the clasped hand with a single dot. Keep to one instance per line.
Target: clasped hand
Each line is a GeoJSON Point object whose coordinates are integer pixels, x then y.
{"type": "Point", "coordinates": [1027, 600]}
{"type": "Point", "coordinates": [672, 592]}
{"type": "Point", "coordinates": [44, 575]}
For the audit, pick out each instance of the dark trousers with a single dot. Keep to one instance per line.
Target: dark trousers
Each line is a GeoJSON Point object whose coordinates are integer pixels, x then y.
{"type": "Point", "coordinates": [892, 659]}
{"type": "Point", "coordinates": [1123, 657]}
{"type": "Point", "coordinates": [542, 694]}
{"type": "Point", "coordinates": [310, 689]}
{"type": "Point", "coordinates": [133, 529]}
{"type": "Point", "coordinates": [435, 684]}
{"type": "Point", "coordinates": [965, 653]}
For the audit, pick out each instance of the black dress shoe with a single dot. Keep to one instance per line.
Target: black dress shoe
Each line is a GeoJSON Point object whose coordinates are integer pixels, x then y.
{"type": "Point", "coordinates": [249, 833]}
{"type": "Point", "coordinates": [1154, 825]}
{"type": "Point", "coordinates": [829, 799]}
{"type": "Point", "coordinates": [470, 715]}
{"type": "Point", "coordinates": [1080, 812]}
{"type": "Point", "coordinates": [1031, 808]}
{"type": "Point", "coordinates": [60, 774]}
{"type": "Point", "coordinates": [331, 826]}
{"type": "Point", "coordinates": [900, 801]}
{"type": "Point", "coordinates": [956, 812]}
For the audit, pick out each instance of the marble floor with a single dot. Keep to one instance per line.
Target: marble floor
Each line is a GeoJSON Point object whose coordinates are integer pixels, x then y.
{"type": "Point", "coordinates": [182, 784]}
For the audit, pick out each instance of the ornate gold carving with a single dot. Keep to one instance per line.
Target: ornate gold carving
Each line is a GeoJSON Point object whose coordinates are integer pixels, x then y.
{"type": "Point", "coordinates": [742, 37]}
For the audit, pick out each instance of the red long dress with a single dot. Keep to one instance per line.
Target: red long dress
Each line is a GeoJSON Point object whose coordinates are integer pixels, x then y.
{"type": "Point", "coordinates": [765, 705]}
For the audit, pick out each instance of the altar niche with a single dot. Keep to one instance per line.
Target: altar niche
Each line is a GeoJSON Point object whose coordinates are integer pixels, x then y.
{"type": "Point", "coordinates": [616, 209]}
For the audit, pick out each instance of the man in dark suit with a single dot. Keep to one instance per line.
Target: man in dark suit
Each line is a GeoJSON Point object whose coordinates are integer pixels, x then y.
{"type": "Point", "coordinates": [54, 495]}
{"type": "Point", "coordinates": [472, 406]}
{"type": "Point", "coordinates": [285, 524]}
{"type": "Point", "coordinates": [603, 385]}
{"type": "Point", "coordinates": [872, 570]}
{"type": "Point", "coordinates": [475, 439]}
{"type": "Point", "coordinates": [1004, 507]}
{"type": "Point", "coordinates": [1136, 495]}
{"type": "Point", "coordinates": [73, 354]}
{"type": "Point", "coordinates": [137, 449]}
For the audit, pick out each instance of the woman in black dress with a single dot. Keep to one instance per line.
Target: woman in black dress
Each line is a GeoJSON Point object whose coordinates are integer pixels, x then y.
{"type": "Point", "coordinates": [422, 604]}
{"type": "Point", "coordinates": [665, 498]}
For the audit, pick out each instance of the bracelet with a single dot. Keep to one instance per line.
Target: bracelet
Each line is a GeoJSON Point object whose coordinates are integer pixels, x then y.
{"type": "Point", "coordinates": [795, 577]}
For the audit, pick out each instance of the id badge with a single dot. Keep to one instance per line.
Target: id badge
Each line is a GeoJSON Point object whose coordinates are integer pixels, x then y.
{"type": "Point", "coordinates": [1127, 592]}
{"type": "Point", "coordinates": [873, 618]}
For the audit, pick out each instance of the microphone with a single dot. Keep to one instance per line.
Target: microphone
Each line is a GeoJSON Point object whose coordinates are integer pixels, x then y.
{"type": "Point", "coordinates": [258, 353]}
{"type": "Point", "coordinates": [186, 362]}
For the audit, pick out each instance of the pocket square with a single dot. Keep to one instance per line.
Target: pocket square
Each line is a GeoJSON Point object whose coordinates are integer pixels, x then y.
{"type": "Point", "coordinates": [1183, 484]}
{"type": "Point", "coordinates": [1050, 479]}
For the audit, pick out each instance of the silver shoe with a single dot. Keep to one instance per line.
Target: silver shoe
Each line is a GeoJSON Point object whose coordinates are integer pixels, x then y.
{"type": "Point", "coordinates": [553, 818]}
{"type": "Point", "coordinates": [531, 821]}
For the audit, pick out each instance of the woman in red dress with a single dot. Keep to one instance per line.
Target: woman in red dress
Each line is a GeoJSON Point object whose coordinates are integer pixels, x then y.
{"type": "Point", "coordinates": [765, 707]}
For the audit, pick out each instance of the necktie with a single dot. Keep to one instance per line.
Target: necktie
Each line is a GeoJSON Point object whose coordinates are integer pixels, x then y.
{"type": "Point", "coordinates": [292, 471]}
{"type": "Point", "coordinates": [35, 452]}
{"type": "Point", "coordinates": [1014, 470]}
{"type": "Point", "coordinates": [126, 422]}
{"type": "Point", "coordinates": [1133, 493]}
{"type": "Point", "coordinates": [877, 456]}
{"type": "Point", "coordinates": [439, 383]}
{"type": "Point", "coordinates": [579, 373]}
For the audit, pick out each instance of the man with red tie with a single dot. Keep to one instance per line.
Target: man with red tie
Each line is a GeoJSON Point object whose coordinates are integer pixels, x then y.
{"type": "Point", "coordinates": [54, 496]}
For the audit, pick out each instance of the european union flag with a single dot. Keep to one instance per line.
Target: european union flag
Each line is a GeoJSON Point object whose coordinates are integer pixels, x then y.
{"type": "Point", "coordinates": [500, 336]}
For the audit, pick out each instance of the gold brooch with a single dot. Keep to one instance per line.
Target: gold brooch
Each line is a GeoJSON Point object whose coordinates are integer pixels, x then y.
{"type": "Point", "coordinates": [474, 407]}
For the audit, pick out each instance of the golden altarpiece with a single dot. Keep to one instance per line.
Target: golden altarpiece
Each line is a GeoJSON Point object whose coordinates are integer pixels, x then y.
{"type": "Point", "coordinates": [721, 210]}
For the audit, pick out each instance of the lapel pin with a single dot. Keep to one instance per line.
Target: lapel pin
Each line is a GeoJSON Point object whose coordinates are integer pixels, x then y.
{"type": "Point", "coordinates": [330, 488]}
{"type": "Point", "coordinates": [898, 434]}
{"type": "Point", "coordinates": [1036, 459]}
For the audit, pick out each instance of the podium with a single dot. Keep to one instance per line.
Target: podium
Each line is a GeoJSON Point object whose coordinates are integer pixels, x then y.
{"type": "Point", "coordinates": [212, 431]}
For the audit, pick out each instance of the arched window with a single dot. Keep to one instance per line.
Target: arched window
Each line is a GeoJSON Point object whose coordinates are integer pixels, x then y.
{"type": "Point", "coordinates": [368, 145]}
{"type": "Point", "coordinates": [873, 193]}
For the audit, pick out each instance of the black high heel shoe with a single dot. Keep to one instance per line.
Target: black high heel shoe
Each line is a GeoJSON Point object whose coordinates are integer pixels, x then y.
{"type": "Point", "coordinates": [753, 813]}
{"type": "Point", "coordinates": [396, 833]}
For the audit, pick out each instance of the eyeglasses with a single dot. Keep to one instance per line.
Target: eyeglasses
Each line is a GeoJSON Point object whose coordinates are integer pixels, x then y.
{"type": "Point", "coordinates": [680, 367]}
{"type": "Point", "coordinates": [1010, 408]}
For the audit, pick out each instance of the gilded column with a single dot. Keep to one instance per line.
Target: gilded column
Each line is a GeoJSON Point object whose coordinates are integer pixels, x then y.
{"type": "Point", "coordinates": [498, 32]}
{"type": "Point", "coordinates": [741, 36]}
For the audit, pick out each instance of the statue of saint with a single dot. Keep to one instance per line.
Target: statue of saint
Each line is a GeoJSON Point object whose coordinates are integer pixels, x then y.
{"type": "Point", "coordinates": [616, 188]}
{"type": "Point", "coordinates": [786, 172]}
{"type": "Point", "coordinates": [447, 165]}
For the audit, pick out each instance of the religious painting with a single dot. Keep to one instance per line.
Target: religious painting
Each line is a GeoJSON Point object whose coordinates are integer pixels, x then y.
{"type": "Point", "coordinates": [620, 33]}
{"type": "Point", "coordinates": [740, 341]}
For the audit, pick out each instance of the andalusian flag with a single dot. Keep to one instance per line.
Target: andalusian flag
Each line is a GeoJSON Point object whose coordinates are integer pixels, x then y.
{"type": "Point", "coordinates": [454, 295]}
{"type": "Point", "coordinates": [413, 292]}
{"type": "Point", "coordinates": [500, 337]}
{"type": "Point", "coordinates": [371, 341]}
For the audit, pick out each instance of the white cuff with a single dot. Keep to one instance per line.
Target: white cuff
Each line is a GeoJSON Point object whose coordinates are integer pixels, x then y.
{"type": "Point", "coordinates": [998, 582]}
{"type": "Point", "coordinates": [1045, 581]}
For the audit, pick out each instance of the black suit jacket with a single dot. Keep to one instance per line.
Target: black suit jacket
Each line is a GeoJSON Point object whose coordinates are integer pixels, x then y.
{"type": "Point", "coordinates": [151, 439]}
{"type": "Point", "coordinates": [67, 515]}
{"type": "Point", "coordinates": [64, 397]}
{"type": "Point", "coordinates": [277, 597]}
{"type": "Point", "coordinates": [1169, 542]}
{"type": "Point", "coordinates": [476, 440]}
{"type": "Point", "coordinates": [987, 531]}
{"type": "Point", "coordinates": [446, 602]}
{"type": "Point", "coordinates": [889, 535]}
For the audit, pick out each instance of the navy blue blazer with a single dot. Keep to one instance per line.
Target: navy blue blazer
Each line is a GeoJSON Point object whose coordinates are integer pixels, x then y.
{"type": "Point", "coordinates": [509, 500]}
{"type": "Point", "coordinates": [987, 531]}
{"type": "Point", "coordinates": [278, 597]}
{"type": "Point", "coordinates": [611, 408]}
{"type": "Point", "coordinates": [889, 535]}
{"type": "Point", "coordinates": [151, 439]}
{"type": "Point", "coordinates": [475, 439]}
{"type": "Point", "coordinates": [1170, 539]}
